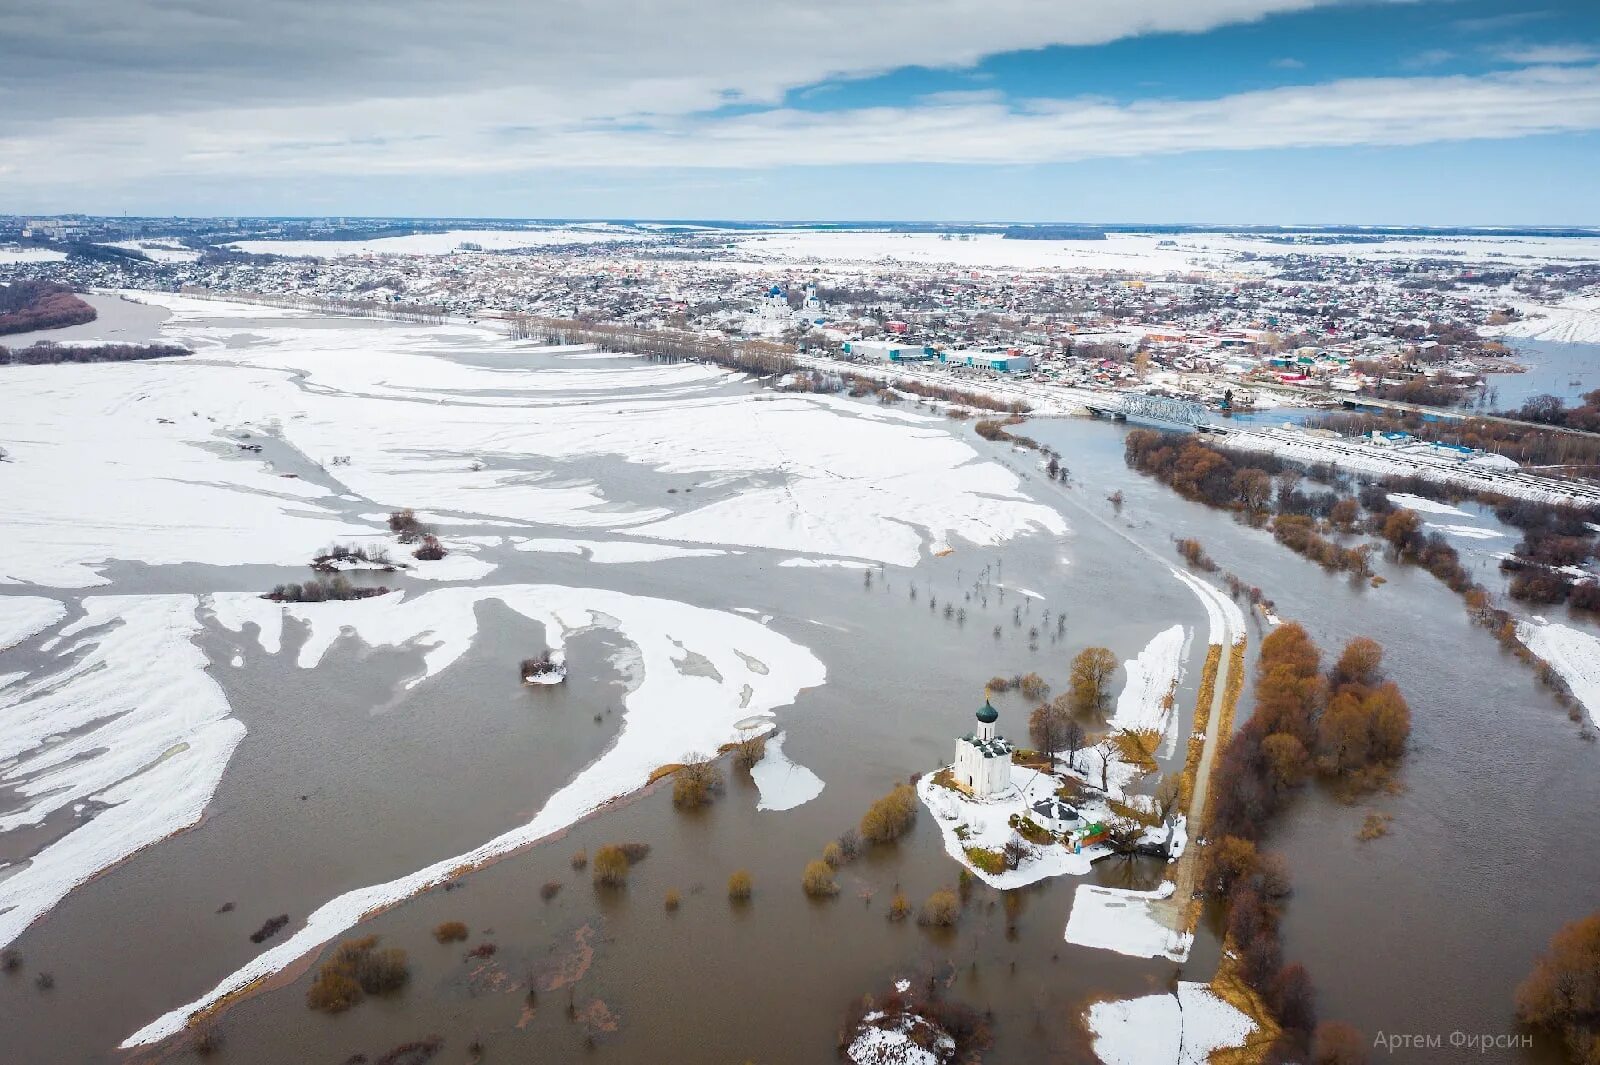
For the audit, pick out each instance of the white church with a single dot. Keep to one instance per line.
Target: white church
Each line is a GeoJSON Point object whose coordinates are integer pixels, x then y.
{"type": "Point", "coordinates": [773, 315]}
{"type": "Point", "coordinates": [983, 758]}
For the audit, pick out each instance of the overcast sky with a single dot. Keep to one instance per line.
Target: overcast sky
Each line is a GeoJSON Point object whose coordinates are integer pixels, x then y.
{"type": "Point", "coordinates": [1425, 111]}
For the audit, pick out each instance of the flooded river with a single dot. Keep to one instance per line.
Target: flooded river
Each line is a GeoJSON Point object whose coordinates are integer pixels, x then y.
{"type": "Point", "coordinates": [347, 778]}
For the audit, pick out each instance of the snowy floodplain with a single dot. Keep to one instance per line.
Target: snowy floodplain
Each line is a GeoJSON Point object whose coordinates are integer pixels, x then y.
{"type": "Point", "coordinates": [1573, 321]}
{"type": "Point", "coordinates": [130, 736]}
{"type": "Point", "coordinates": [435, 243]}
{"type": "Point", "coordinates": [783, 784]}
{"type": "Point", "coordinates": [1182, 1028]}
{"type": "Point", "coordinates": [1143, 705]}
{"type": "Point", "coordinates": [412, 425]}
{"type": "Point", "coordinates": [1573, 654]}
{"type": "Point", "coordinates": [1145, 253]}
{"type": "Point", "coordinates": [22, 616]}
{"type": "Point", "coordinates": [1125, 921]}
{"type": "Point", "coordinates": [668, 712]}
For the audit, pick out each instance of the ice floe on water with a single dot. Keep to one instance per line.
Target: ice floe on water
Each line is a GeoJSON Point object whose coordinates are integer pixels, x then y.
{"type": "Point", "coordinates": [132, 729]}
{"type": "Point", "coordinates": [670, 712]}
{"type": "Point", "coordinates": [825, 563]}
{"type": "Point", "coordinates": [455, 566]}
{"type": "Point", "coordinates": [613, 551]}
{"type": "Point", "coordinates": [1424, 505]}
{"type": "Point", "coordinates": [1470, 532]}
{"type": "Point", "coordinates": [22, 616]}
{"type": "Point", "coordinates": [1182, 1028]}
{"type": "Point", "coordinates": [783, 784]}
{"type": "Point", "coordinates": [1126, 921]}
{"type": "Point", "coordinates": [1572, 653]}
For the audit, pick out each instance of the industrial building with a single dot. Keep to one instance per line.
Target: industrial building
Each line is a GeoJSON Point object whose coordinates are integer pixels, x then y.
{"type": "Point", "coordinates": [889, 350]}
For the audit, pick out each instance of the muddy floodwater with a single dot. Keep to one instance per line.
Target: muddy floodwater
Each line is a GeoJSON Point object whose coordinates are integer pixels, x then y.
{"type": "Point", "coordinates": [346, 778]}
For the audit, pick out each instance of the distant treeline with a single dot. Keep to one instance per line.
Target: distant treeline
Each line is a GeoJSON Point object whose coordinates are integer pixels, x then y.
{"type": "Point", "coordinates": [29, 305]}
{"type": "Point", "coordinates": [46, 353]}
{"type": "Point", "coordinates": [105, 253]}
{"type": "Point", "coordinates": [1553, 410]}
{"type": "Point", "coordinates": [758, 357]}
{"type": "Point", "coordinates": [1516, 442]}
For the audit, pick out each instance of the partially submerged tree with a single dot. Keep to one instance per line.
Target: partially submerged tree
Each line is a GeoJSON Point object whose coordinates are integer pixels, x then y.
{"type": "Point", "coordinates": [817, 880]}
{"type": "Point", "coordinates": [1562, 993]}
{"type": "Point", "coordinates": [696, 782]}
{"type": "Point", "coordinates": [1048, 726]}
{"type": "Point", "coordinates": [891, 816]}
{"type": "Point", "coordinates": [1091, 670]}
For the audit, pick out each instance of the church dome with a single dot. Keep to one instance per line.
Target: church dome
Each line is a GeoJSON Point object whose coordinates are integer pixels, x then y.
{"type": "Point", "coordinates": [988, 714]}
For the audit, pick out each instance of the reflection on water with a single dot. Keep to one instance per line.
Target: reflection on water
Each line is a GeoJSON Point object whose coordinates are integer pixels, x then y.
{"type": "Point", "coordinates": [1565, 370]}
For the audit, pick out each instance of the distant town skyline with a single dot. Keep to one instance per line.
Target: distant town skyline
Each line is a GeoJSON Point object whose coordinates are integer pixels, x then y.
{"type": "Point", "coordinates": [1387, 112]}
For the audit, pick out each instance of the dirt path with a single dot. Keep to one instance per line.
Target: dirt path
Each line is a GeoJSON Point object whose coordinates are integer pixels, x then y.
{"type": "Point", "coordinates": [1186, 871]}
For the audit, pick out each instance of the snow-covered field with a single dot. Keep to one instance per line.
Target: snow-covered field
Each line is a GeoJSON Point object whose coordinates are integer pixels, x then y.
{"type": "Point", "coordinates": [418, 431]}
{"type": "Point", "coordinates": [1572, 653]}
{"type": "Point", "coordinates": [1125, 921]}
{"type": "Point", "coordinates": [1143, 705]}
{"type": "Point", "coordinates": [1149, 253]}
{"type": "Point", "coordinates": [1574, 321]}
{"type": "Point", "coordinates": [162, 250]}
{"type": "Point", "coordinates": [1135, 253]}
{"type": "Point", "coordinates": [436, 243]}
{"type": "Point", "coordinates": [1357, 457]}
{"type": "Point", "coordinates": [1181, 1028]}
{"type": "Point", "coordinates": [1424, 505]}
{"type": "Point", "coordinates": [22, 616]}
{"type": "Point", "coordinates": [13, 254]}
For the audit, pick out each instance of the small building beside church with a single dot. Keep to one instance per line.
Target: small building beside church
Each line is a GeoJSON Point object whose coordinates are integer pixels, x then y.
{"type": "Point", "coordinates": [983, 757]}
{"type": "Point", "coordinates": [1054, 814]}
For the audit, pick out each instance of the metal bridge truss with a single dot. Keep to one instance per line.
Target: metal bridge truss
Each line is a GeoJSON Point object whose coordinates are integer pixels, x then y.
{"type": "Point", "coordinates": [1161, 409]}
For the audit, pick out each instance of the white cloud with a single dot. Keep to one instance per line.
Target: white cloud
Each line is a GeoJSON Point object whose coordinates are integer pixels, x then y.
{"type": "Point", "coordinates": [494, 132]}
{"type": "Point", "coordinates": [1551, 53]}
{"type": "Point", "coordinates": [1432, 57]}
{"type": "Point", "coordinates": [587, 60]}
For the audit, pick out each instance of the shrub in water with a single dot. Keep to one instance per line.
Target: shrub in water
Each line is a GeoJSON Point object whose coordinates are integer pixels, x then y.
{"type": "Point", "coordinates": [818, 880]}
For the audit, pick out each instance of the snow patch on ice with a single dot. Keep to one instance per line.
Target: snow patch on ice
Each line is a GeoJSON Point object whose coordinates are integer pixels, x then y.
{"type": "Point", "coordinates": [783, 784]}
{"type": "Point", "coordinates": [133, 725]}
{"type": "Point", "coordinates": [22, 616]}
{"type": "Point", "coordinates": [1182, 1028]}
{"type": "Point", "coordinates": [826, 563]}
{"type": "Point", "coordinates": [1143, 706]}
{"type": "Point", "coordinates": [1470, 532]}
{"type": "Point", "coordinates": [1125, 921]}
{"type": "Point", "coordinates": [1424, 505]}
{"type": "Point", "coordinates": [614, 551]}
{"type": "Point", "coordinates": [1572, 653]}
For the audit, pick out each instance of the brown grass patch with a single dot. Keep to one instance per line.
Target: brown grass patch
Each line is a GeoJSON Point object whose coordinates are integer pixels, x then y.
{"type": "Point", "coordinates": [1202, 721]}
{"type": "Point", "coordinates": [1229, 985]}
